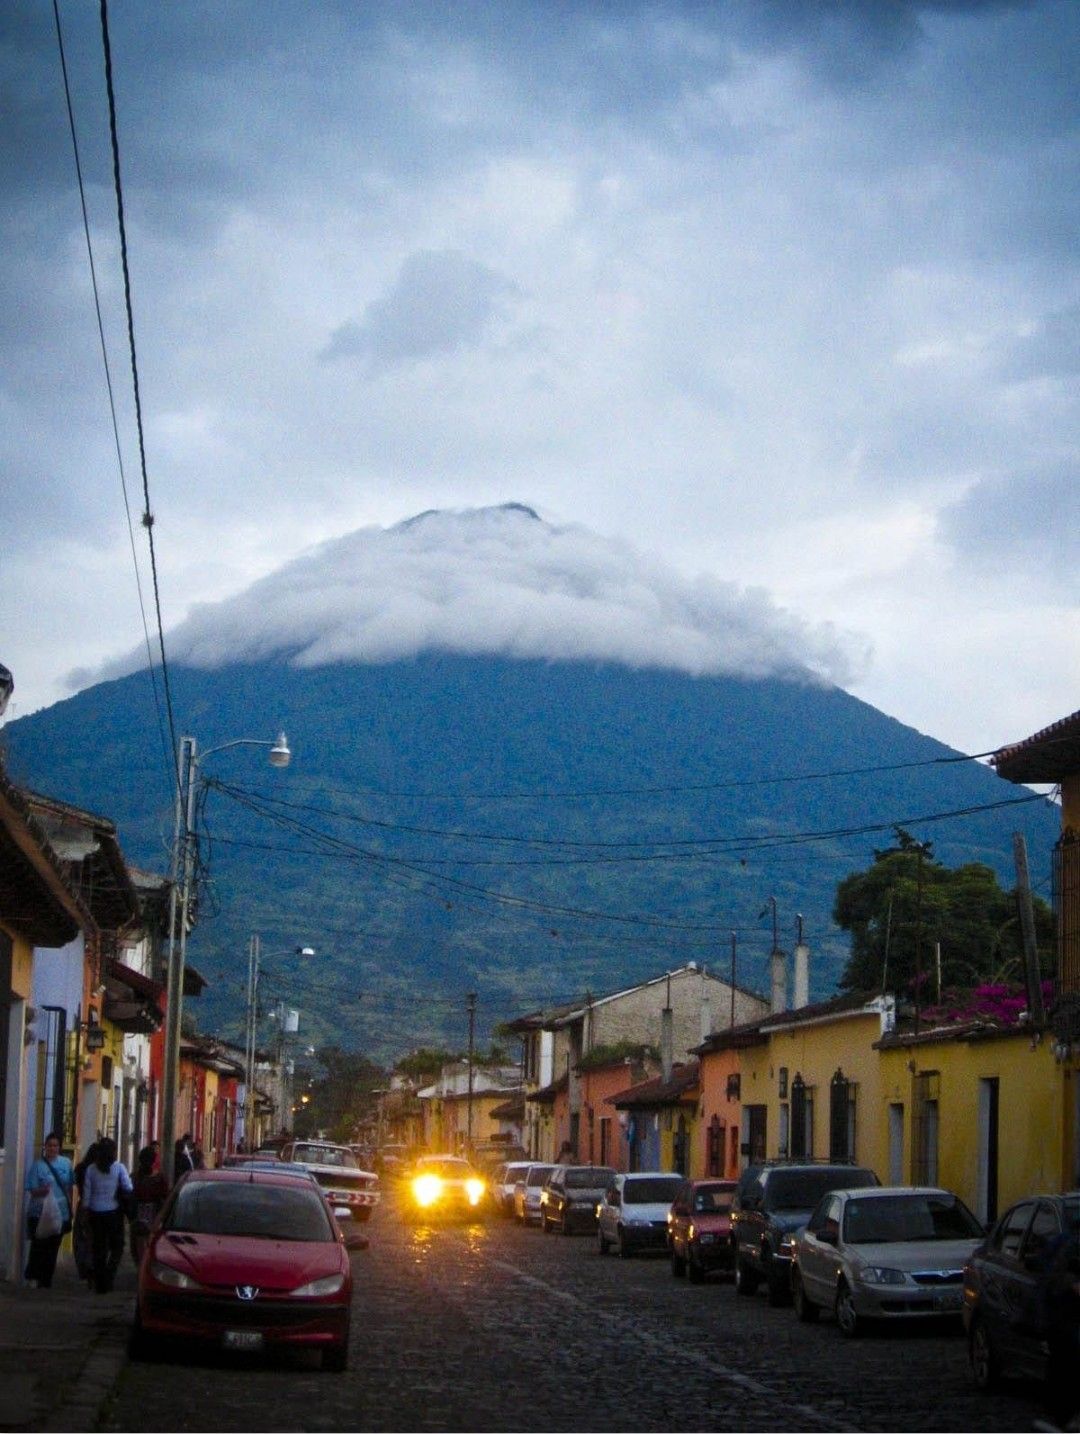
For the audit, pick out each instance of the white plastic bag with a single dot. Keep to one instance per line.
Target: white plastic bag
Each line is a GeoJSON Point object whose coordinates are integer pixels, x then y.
{"type": "Point", "coordinates": [49, 1221]}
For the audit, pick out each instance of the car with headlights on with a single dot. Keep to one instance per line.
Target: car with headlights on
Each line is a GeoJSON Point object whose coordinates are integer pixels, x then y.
{"type": "Point", "coordinates": [446, 1187]}
{"type": "Point", "coordinates": [632, 1216]}
{"type": "Point", "coordinates": [530, 1182]}
{"type": "Point", "coordinates": [570, 1195]}
{"type": "Point", "coordinates": [246, 1260]}
{"type": "Point", "coordinates": [892, 1254]}
{"type": "Point", "coordinates": [699, 1228]}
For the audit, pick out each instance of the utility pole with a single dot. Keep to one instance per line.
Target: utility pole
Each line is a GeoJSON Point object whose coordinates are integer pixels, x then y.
{"type": "Point", "coordinates": [918, 939]}
{"type": "Point", "coordinates": [1027, 929]}
{"type": "Point", "coordinates": [470, 1002]}
{"type": "Point", "coordinates": [734, 938]}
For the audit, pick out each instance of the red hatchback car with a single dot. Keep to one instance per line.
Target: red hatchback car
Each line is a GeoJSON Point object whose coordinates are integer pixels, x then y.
{"type": "Point", "coordinates": [699, 1228]}
{"type": "Point", "coordinates": [246, 1260]}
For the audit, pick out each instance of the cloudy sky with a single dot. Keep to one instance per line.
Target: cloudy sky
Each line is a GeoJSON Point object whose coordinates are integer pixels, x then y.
{"type": "Point", "coordinates": [770, 310]}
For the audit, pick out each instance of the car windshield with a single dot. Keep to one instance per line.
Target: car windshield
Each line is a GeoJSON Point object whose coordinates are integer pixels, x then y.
{"type": "Point", "coordinates": [588, 1177]}
{"type": "Point", "coordinates": [713, 1198]}
{"type": "Point", "coordinates": [652, 1190]}
{"type": "Point", "coordinates": [261, 1212]}
{"type": "Point", "coordinates": [802, 1189]}
{"type": "Point", "coordinates": [326, 1155]}
{"type": "Point", "coordinates": [538, 1174]}
{"type": "Point", "coordinates": [889, 1219]}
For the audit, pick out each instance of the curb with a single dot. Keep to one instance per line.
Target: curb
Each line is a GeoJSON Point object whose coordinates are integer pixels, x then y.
{"type": "Point", "coordinates": [95, 1380]}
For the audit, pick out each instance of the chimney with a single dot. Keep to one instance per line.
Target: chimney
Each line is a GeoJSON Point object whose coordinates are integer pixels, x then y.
{"type": "Point", "coordinates": [802, 970]}
{"type": "Point", "coordinates": [778, 967]}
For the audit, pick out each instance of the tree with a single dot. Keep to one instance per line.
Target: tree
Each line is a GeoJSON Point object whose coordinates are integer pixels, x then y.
{"type": "Point", "coordinates": [906, 900]}
{"type": "Point", "coordinates": [340, 1094]}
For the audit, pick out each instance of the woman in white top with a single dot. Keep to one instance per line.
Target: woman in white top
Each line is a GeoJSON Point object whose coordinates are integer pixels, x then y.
{"type": "Point", "coordinates": [106, 1191]}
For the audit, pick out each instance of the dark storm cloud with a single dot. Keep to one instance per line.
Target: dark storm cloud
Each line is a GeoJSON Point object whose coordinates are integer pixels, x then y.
{"type": "Point", "coordinates": [439, 303]}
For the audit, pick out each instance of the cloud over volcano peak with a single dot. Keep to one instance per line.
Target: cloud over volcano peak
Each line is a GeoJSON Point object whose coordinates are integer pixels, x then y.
{"type": "Point", "coordinates": [502, 581]}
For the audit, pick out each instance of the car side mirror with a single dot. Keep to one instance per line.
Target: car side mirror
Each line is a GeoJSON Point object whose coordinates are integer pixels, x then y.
{"type": "Point", "coordinates": [827, 1237]}
{"type": "Point", "coordinates": [355, 1241]}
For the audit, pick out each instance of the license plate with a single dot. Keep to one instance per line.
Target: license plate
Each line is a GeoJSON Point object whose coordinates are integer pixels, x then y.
{"type": "Point", "coordinates": [950, 1300]}
{"type": "Point", "coordinates": [342, 1212]}
{"type": "Point", "coordinates": [242, 1339]}
{"type": "Point", "coordinates": [707, 1239]}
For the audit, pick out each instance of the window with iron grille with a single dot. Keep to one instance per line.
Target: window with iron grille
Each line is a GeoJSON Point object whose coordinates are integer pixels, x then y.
{"type": "Point", "coordinates": [715, 1148]}
{"type": "Point", "coordinates": [841, 1118]}
{"type": "Point", "coordinates": [801, 1133]}
{"type": "Point", "coordinates": [925, 1127]}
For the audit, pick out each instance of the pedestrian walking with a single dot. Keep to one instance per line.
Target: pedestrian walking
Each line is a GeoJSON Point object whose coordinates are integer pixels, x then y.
{"type": "Point", "coordinates": [151, 1188]}
{"type": "Point", "coordinates": [107, 1190]}
{"type": "Point", "coordinates": [183, 1156]}
{"type": "Point", "coordinates": [82, 1246]}
{"type": "Point", "coordinates": [49, 1183]}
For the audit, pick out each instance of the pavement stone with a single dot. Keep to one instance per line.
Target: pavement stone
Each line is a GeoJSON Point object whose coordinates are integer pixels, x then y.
{"type": "Point", "coordinates": [61, 1349]}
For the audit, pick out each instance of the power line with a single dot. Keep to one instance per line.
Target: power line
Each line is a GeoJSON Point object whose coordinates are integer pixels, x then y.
{"type": "Point", "coordinates": [147, 517]}
{"type": "Point", "coordinates": [108, 377]}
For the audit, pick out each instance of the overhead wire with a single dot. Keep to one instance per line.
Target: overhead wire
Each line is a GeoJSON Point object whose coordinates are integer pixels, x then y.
{"type": "Point", "coordinates": [148, 516]}
{"type": "Point", "coordinates": [108, 378]}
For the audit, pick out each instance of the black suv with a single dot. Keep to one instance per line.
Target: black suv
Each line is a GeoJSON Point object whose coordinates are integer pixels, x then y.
{"type": "Point", "coordinates": [772, 1203]}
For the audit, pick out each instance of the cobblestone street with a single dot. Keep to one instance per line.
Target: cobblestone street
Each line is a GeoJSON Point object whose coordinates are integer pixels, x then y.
{"type": "Point", "coordinates": [492, 1327]}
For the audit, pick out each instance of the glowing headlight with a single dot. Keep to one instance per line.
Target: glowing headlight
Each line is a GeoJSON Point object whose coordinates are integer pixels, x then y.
{"type": "Point", "coordinates": [474, 1189]}
{"type": "Point", "coordinates": [328, 1285]}
{"type": "Point", "coordinates": [426, 1189]}
{"type": "Point", "coordinates": [175, 1279]}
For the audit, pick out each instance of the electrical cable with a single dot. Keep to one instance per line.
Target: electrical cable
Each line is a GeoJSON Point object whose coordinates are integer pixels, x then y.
{"type": "Point", "coordinates": [147, 517]}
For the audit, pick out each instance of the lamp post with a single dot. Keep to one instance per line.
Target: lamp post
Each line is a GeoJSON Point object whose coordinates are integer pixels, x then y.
{"type": "Point", "coordinates": [183, 861]}
{"type": "Point", "coordinates": [255, 959]}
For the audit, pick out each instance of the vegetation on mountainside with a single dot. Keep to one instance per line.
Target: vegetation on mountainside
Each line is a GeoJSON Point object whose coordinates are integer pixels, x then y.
{"type": "Point", "coordinates": [339, 1088]}
{"type": "Point", "coordinates": [906, 902]}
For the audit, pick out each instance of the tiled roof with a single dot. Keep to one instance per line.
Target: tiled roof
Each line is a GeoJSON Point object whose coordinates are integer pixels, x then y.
{"type": "Point", "coordinates": [1046, 756]}
{"type": "Point", "coordinates": [681, 1085]}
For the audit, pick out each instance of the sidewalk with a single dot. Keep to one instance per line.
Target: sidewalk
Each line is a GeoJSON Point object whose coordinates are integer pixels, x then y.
{"type": "Point", "coordinates": [61, 1350]}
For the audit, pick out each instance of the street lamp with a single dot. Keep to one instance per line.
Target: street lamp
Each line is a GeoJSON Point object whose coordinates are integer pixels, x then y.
{"type": "Point", "coordinates": [182, 873]}
{"type": "Point", "coordinates": [255, 957]}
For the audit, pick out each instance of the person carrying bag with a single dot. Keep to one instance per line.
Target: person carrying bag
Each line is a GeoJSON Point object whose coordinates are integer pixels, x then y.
{"type": "Point", "coordinates": [48, 1184]}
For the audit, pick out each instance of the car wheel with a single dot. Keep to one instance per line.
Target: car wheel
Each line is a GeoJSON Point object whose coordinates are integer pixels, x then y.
{"type": "Point", "coordinates": [805, 1309]}
{"type": "Point", "coordinates": [694, 1272]}
{"type": "Point", "coordinates": [564, 1228]}
{"type": "Point", "coordinates": [544, 1222]}
{"type": "Point", "coordinates": [851, 1325]}
{"type": "Point", "coordinates": [984, 1364]}
{"type": "Point", "coordinates": [678, 1265]}
{"type": "Point", "coordinates": [746, 1279]}
{"type": "Point", "coordinates": [335, 1359]}
{"type": "Point", "coordinates": [601, 1243]}
{"type": "Point", "coordinates": [624, 1245]}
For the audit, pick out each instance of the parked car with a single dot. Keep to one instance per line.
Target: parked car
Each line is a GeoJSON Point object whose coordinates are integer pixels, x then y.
{"type": "Point", "coordinates": [527, 1192]}
{"type": "Point", "coordinates": [246, 1260]}
{"type": "Point", "coordinates": [633, 1214]}
{"type": "Point", "coordinates": [1009, 1294]}
{"type": "Point", "coordinates": [772, 1203]}
{"type": "Point", "coordinates": [350, 1190]}
{"type": "Point", "coordinates": [446, 1187]}
{"type": "Point", "coordinates": [889, 1254]}
{"type": "Point", "coordinates": [503, 1180]}
{"type": "Point", "coordinates": [569, 1197]}
{"type": "Point", "coordinates": [699, 1228]}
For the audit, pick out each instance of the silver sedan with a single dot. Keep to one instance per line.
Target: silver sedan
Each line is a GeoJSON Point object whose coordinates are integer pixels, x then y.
{"type": "Point", "coordinates": [896, 1253]}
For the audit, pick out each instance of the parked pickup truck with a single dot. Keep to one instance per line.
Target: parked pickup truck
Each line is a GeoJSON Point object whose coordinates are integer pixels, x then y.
{"type": "Point", "coordinates": [348, 1188]}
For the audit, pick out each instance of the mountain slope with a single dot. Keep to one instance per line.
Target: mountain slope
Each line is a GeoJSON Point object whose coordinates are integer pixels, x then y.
{"type": "Point", "coordinates": [428, 845]}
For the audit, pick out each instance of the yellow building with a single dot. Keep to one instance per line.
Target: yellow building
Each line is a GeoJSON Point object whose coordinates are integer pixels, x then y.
{"type": "Point", "coordinates": [812, 1088]}
{"type": "Point", "coordinates": [980, 1109]}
